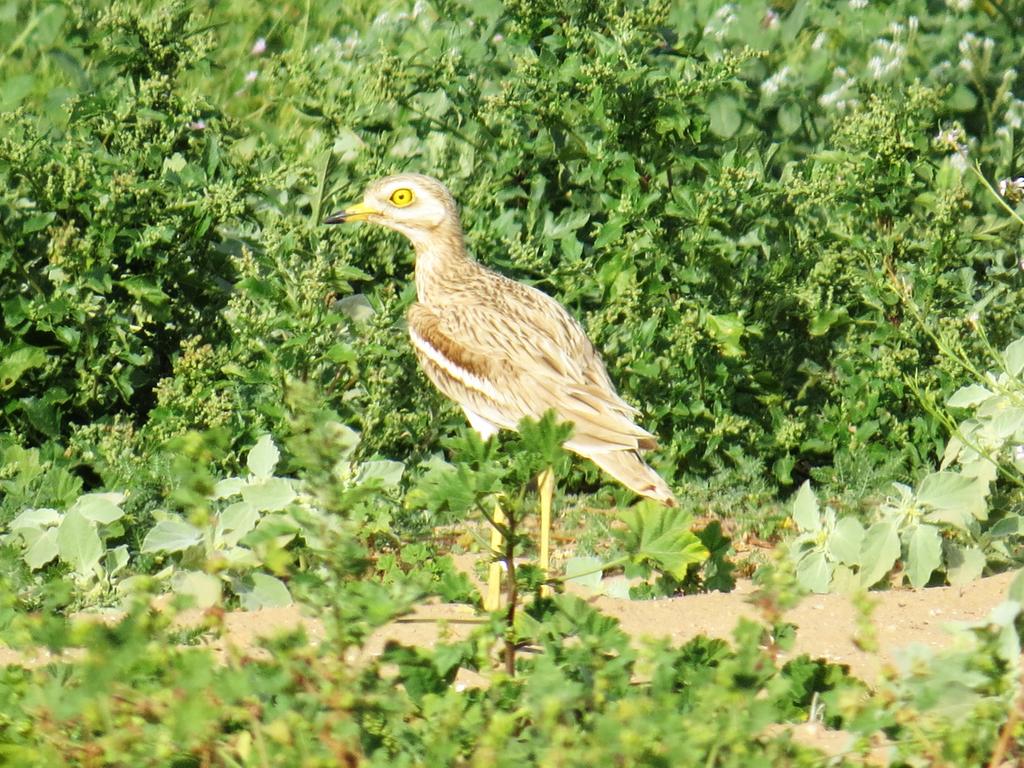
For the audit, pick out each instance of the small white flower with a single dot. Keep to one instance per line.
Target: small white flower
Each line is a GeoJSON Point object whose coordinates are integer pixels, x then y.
{"type": "Point", "coordinates": [858, 4]}
{"type": "Point", "coordinates": [959, 160]}
{"type": "Point", "coordinates": [251, 75]}
{"type": "Point", "coordinates": [912, 25]}
{"type": "Point", "coordinates": [841, 97]}
{"type": "Point", "coordinates": [1012, 189]}
{"type": "Point", "coordinates": [258, 47]}
{"type": "Point", "coordinates": [498, 38]}
{"type": "Point", "coordinates": [722, 19]}
{"type": "Point", "coordinates": [770, 19]}
{"type": "Point", "coordinates": [819, 41]}
{"type": "Point", "coordinates": [1015, 114]}
{"type": "Point", "coordinates": [197, 125]}
{"type": "Point", "coordinates": [951, 139]}
{"type": "Point", "coordinates": [1018, 453]}
{"type": "Point", "coordinates": [972, 320]}
{"type": "Point", "coordinates": [963, 6]}
{"type": "Point", "coordinates": [771, 86]}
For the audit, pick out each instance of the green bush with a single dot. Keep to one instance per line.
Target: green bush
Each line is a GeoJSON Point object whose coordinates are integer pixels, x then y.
{"type": "Point", "coordinates": [113, 214]}
{"type": "Point", "coordinates": [738, 204]}
{"type": "Point", "coordinates": [789, 228]}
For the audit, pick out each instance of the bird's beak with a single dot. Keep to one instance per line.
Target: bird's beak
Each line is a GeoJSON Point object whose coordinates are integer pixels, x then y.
{"type": "Point", "coordinates": [357, 212]}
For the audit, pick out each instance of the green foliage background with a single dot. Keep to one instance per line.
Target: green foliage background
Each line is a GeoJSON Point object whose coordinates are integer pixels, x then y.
{"type": "Point", "coordinates": [738, 209]}
{"type": "Point", "coordinates": [774, 220]}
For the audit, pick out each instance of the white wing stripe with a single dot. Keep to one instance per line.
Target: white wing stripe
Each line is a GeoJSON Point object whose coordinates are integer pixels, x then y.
{"type": "Point", "coordinates": [457, 372]}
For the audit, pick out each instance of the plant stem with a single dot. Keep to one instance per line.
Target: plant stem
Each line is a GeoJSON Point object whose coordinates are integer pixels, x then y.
{"type": "Point", "coordinates": [1002, 747]}
{"type": "Point", "coordinates": [512, 595]}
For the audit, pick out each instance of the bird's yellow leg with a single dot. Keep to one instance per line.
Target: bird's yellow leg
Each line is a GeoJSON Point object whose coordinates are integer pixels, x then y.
{"type": "Point", "coordinates": [492, 600]}
{"type": "Point", "coordinates": [546, 490]}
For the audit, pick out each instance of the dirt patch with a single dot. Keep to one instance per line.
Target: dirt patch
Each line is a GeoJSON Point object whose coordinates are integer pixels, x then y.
{"type": "Point", "coordinates": [827, 624]}
{"type": "Point", "coordinates": [826, 628]}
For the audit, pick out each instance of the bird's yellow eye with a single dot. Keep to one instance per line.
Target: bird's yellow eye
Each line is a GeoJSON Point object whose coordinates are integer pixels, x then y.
{"type": "Point", "coordinates": [401, 197]}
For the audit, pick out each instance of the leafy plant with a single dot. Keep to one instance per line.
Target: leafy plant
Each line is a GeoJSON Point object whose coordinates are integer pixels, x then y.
{"type": "Point", "coordinates": [943, 525]}
{"type": "Point", "coordinates": [991, 439]}
{"type": "Point", "coordinates": [77, 538]}
{"type": "Point", "coordinates": [662, 556]}
{"type": "Point", "coordinates": [933, 529]}
{"type": "Point", "coordinates": [220, 547]}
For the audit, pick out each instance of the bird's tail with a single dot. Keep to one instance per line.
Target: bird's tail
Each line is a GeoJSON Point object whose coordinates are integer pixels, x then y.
{"type": "Point", "coordinates": [633, 472]}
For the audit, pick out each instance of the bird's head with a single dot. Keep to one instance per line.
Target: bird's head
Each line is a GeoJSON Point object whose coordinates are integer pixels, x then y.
{"type": "Point", "coordinates": [415, 205]}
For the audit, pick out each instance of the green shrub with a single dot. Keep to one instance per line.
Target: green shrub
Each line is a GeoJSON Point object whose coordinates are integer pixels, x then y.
{"type": "Point", "coordinates": [739, 205]}
{"type": "Point", "coordinates": [113, 215]}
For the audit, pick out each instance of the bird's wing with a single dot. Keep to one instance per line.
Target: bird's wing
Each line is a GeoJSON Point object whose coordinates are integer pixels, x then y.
{"type": "Point", "coordinates": [519, 355]}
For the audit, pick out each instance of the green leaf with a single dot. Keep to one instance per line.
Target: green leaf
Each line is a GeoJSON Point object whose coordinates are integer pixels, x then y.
{"type": "Point", "coordinates": [617, 587]}
{"type": "Point", "coordinates": [36, 518]}
{"type": "Point", "coordinates": [544, 437]}
{"type": "Point", "coordinates": [145, 290]}
{"type": "Point", "coordinates": [17, 362]}
{"type": "Point", "coordinates": [38, 222]}
{"type": "Point", "coordinates": [844, 580]}
{"type": "Point", "coordinates": [725, 117]}
{"type": "Point", "coordinates": [43, 550]}
{"type": "Point", "coordinates": [357, 307]}
{"type": "Point", "coordinates": [1011, 525]}
{"type": "Point", "coordinates": [236, 521]}
{"type": "Point", "coordinates": [584, 572]}
{"type": "Point", "coordinates": [661, 536]}
{"type": "Point", "coordinates": [968, 396]}
{"type": "Point", "coordinates": [805, 509]}
{"type": "Point", "coordinates": [175, 163]}
{"type": "Point", "coordinates": [1006, 423]}
{"type": "Point", "coordinates": [115, 559]}
{"type": "Point", "coordinates": [814, 572]}
{"type": "Point", "coordinates": [99, 507]}
{"type": "Point", "coordinates": [790, 117]}
{"type": "Point", "coordinates": [265, 592]}
{"type": "Point", "coordinates": [1016, 591]}
{"type": "Point", "coordinates": [380, 474]}
{"type": "Point", "coordinates": [1014, 358]}
{"type": "Point", "coordinates": [727, 331]}
{"type": "Point", "coordinates": [610, 231]}
{"type": "Point", "coordinates": [263, 457]}
{"type": "Point", "coordinates": [846, 540]}
{"type": "Point", "coordinates": [204, 589]}
{"type": "Point", "coordinates": [269, 495]}
{"type": "Point", "coordinates": [171, 536]}
{"type": "Point", "coordinates": [963, 564]}
{"type": "Point", "coordinates": [230, 486]}
{"type": "Point", "coordinates": [954, 498]}
{"type": "Point", "coordinates": [924, 554]}
{"type": "Point", "coordinates": [879, 553]}
{"type": "Point", "coordinates": [78, 544]}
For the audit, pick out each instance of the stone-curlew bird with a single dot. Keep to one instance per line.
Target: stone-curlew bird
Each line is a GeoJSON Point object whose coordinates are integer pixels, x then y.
{"type": "Point", "coordinates": [503, 350]}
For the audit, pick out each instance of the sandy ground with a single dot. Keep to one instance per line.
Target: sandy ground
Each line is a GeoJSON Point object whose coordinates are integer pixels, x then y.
{"type": "Point", "coordinates": [826, 624]}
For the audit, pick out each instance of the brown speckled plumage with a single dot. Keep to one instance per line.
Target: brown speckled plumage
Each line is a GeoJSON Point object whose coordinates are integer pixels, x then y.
{"type": "Point", "coordinates": [503, 350]}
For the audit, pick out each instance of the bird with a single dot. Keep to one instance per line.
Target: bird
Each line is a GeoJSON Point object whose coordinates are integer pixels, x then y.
{"type": "Point", "coordinates": [503, 350]}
